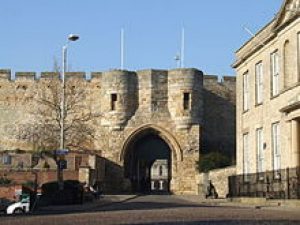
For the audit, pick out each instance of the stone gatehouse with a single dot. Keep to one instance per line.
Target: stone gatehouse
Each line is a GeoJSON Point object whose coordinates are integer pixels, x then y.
{"type": "Point", "coordinates": [145, 116]}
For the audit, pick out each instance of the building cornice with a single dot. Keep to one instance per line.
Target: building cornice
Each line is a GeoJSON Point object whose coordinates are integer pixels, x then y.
{"type": "Point", "coordinates": [262, 40]}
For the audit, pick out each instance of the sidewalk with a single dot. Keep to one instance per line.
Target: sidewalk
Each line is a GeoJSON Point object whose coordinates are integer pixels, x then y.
{"type": "Point", "coordinates": [246, 202]}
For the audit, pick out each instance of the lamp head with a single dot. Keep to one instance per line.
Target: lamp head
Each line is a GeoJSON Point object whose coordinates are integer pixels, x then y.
{"type": "Point", "coordinates": [73, 37]}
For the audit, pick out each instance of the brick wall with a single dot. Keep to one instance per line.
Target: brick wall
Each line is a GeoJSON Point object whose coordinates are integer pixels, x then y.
{"type": "Point", "coordinates": [17, 160]}
{"type": "Point", "coordinates": [9, 191]}
{"type": "Point", "coordinates": [21, 177]}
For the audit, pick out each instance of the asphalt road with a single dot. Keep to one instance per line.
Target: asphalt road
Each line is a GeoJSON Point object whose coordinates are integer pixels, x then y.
{"type": "Point", "coordinates": [161, 210]}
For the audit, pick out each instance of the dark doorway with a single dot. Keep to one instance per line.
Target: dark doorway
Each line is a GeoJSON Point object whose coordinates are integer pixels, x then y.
{"type": "Point", "coordinates": [146, 148]}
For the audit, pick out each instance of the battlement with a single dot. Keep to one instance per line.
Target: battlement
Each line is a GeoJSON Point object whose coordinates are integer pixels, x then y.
{"type": "Point", "coordinates": [96, 75]}
{"type": "Point", "coordinates": [209, 80]}
{"type": "Point", "coordinates": [49, 75]}
{"type": "Point", "coordinates": [229, 78]}
{"type": "Point", "coordinates": [76, 75]}
{"type": "Point", "coordinates": [25, 75]}
{"type": "Point", "coordinates": [5, 74]}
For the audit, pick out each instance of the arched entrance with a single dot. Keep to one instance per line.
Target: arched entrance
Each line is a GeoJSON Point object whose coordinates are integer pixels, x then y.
{"type": "Point", "coordinates": [147, 156]}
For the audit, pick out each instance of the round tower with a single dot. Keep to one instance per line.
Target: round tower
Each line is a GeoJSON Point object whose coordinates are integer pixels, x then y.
{"type": "Point", "coordinates": [185, 100]}
{"type": "Point", "coordinates": [119, 98]}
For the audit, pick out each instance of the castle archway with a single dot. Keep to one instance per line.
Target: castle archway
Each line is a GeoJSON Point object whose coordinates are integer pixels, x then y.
{"type": "Point", "coordinates": [149, 157]}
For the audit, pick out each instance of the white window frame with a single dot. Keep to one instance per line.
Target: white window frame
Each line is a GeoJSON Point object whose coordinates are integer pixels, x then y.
{"type": "Point", "coordinates": [246, 91]}
{"type": "Point", "coordinates": [260, 150]}
{"type": "Point", "coordinates": [276, 148]}
{"type": "Point", "coordinates": [259, 82]}
{"type": "Point", "coordinates": [246, 154]}
{"type": "Point", "coordinates": [275, 73]}
{"type": "Point", "coordinates": [298, 56]}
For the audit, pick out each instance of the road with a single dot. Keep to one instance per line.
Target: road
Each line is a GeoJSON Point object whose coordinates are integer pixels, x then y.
{"type": "Point", "coordinates": [161, 210]}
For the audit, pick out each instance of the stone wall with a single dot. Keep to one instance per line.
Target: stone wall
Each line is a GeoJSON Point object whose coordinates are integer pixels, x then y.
{"type": "Point", "coordinates": [219, 115]}
{"type": "Point", "coordinates": [172, 104]}
{"type": "Point", "coordinates": [219, 179]}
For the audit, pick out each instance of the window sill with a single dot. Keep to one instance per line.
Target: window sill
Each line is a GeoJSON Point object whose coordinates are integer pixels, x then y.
{"type": "Point", "coordinates": [258, 104]}
{"type": "Point", "coordinates": [245, 111]}
{"type": "Point", "coordinates": [291, 87]}
{"type": "Point", "coordinates": [275, 96]}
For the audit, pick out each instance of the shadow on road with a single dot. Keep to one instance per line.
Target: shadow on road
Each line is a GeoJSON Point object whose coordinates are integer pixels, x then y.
{"type": "Point", "coordinates": [141, 203]}
{"type": "Point", "coordinates": [224, 222]}
{"type": "Point", "coordinates": [137, 202]}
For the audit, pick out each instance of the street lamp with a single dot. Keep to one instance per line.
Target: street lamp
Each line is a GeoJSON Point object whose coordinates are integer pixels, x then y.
{"type": "Point", "coordinates": [71, 37]}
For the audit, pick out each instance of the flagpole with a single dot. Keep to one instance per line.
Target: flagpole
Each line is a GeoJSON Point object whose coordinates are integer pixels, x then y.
{"type": "Point", "coordinates": [122, 49]}
{"type": "Point", "coordinates": [182, 48]}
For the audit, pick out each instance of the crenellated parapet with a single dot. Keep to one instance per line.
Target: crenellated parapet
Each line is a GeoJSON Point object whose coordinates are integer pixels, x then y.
{"type": "Point", "coordinates": [223, 87]}
{"type": "Point", "coordinates": [96, 75]}
{"type": "Point", "coordinates": [5, 74]}
{"type": "Point", "coordinates": [207, 79]}
{"type": "Point", "coordinates": [8, 75]}
{"type": "Point", "coordinates": [227, 81]}
{"type": "Point", "coordinates": [49, 75]}
{"type": "Point", "coordinates": [75, 75]}
{"type": "Point", "coordinates": [25, 76]}
{"type": "Point", "coordinates": [119, 95]}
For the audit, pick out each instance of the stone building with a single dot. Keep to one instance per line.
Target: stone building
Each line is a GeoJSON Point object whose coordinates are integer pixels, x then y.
{"type": "Point", "coordinates": [146, 115]}
{"type": "Point", "coordinates": [268, 109]}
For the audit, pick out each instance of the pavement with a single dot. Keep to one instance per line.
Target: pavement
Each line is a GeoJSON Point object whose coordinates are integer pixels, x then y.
{"type": "Point", "coordinates": [246, 202]}
{"type": "Point", "coordinates": [107, 200]}
{"type": "Point", "coordinates": [158, 209]}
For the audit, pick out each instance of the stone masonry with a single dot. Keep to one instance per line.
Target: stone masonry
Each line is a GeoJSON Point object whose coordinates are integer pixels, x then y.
{"type": "Point", "coordinates": [179, 106]}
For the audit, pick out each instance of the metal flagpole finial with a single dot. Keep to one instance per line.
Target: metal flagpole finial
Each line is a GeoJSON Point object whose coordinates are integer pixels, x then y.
{"type": "Point", "coordinates": [177, 59]}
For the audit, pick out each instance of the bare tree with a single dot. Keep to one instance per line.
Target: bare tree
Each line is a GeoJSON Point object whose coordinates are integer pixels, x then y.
{"type": "Point", "coordinates": [43, 126]}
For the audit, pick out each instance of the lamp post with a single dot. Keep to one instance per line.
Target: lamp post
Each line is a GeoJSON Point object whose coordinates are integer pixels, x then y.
{"type": "Point", "coordinates": [71, 37]}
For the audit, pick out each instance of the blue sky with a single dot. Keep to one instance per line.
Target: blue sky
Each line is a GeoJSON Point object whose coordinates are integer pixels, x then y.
{"type": "Point", "coordinates": [33, 32]}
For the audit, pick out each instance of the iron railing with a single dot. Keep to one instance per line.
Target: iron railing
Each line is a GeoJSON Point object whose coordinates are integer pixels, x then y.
{"type": "Point", "coordinates": [280, 184]}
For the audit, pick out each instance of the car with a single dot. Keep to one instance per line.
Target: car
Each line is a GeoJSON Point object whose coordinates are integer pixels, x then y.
{"type": "Point", "coordinates": [4, 203]}
{"type": "Point", "coordinates": [23, 206]}
{"type": "Point", "coordinates": [18, 208]}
